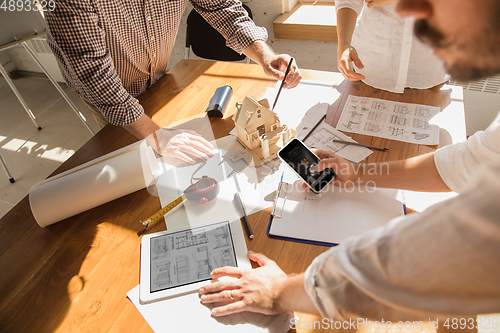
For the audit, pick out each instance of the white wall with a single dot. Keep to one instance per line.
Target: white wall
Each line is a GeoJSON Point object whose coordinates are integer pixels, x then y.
{"type": "Point", "coordinates": [309, 54]}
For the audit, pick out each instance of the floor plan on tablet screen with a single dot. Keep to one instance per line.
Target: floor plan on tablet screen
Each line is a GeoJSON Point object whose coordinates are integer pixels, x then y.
{"type": "Point", "coordinates": [189, 256]}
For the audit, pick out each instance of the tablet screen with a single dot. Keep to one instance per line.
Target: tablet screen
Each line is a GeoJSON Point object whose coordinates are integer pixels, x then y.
{"type": "Point", "coordinates": [189, 256]}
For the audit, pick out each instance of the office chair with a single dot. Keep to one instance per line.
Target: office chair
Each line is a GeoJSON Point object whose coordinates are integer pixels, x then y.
{"type": "Point", "coordinates": [206, 42]}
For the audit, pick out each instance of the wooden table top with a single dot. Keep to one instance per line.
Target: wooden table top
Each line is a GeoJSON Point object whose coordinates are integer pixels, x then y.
{"type": "Point", "coordinates": [74, 275]}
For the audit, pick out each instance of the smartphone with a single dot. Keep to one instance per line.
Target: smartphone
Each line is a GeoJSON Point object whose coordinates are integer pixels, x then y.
{"type": "Point", "coordinates": [303, 161]}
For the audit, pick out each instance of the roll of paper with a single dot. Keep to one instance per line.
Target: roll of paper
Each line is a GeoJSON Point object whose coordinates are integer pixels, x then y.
{"type": "Point", "coordinates": [92, 184]}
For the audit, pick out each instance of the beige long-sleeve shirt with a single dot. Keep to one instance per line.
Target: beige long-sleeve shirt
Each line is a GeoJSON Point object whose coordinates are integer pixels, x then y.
{"type": "Point", "coordinates": [443, 262]}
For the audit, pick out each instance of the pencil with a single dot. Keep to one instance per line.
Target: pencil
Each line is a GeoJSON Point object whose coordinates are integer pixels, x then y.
{"type": "Point", "coordinates": [283, 82]}
{"type": "Point", "coordinates": [360, 145]}
{"type": "Point", "coordinates": [315, 126]}
{"type": "Point", "coordinates": [243, 213]}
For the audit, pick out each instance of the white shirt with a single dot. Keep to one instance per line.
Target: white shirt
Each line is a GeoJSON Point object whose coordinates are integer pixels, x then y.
{"type": "Point", "coordinates": [458, 163]}
{"type": "Point", "coordinates": [393, 57]}
{"type": "Point", "coordinates": [440, 263]}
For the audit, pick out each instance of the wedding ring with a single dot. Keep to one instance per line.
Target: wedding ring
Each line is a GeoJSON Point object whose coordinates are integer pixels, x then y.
{"type": "Point", "coordinates": [231, 293]}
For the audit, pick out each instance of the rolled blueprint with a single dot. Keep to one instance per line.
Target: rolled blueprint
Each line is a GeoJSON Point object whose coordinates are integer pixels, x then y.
{"type": "Point", "coordinates": [92, 184]}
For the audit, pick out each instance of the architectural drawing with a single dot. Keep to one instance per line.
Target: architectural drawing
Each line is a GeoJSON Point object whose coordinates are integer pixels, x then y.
{"type": "Point", "coordinates": [355, 119]}
{"type": "Point", "coordinates": [203, 268]}
{"type": "Point", "coordinates": [376, 116]}
{"type": "Point", "coordinates": [420, 136]}
{"type": "Point", "coordinates": [187, 239]}
{"type": "Point", "coordinates": [189, 256]}
{"type": "Point", "coordinates": [160, 249]}
{"type": "Point", "coordinates": [396, 131]}
{"type": "Point", "coordinates": [373, 128]}
{"type": "Point", "coordinates": [182, 269]}
{"type": "Point", "coordinates": [401, 109]}
{"type": "Point", "coordinates": [418, 123]}
{"type": "Point", "coordinates": [162, 278]}
{"type": "Point", "coordinates": [423, 112]}
{"type": "Point", "coordinates": [323, 136]}
{"type": "Point", "coordinates": [379, 105]}
{"type": "Point", "coordinates": [399, 120]}
{"type": "Point", "coordinates": [389, 119]}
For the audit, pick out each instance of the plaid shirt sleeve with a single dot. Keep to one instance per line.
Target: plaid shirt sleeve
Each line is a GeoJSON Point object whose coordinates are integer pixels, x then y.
{"type": "Point", "coordinates": [79, 43]}
{"type": "Point", "coordinates": [232, 21]}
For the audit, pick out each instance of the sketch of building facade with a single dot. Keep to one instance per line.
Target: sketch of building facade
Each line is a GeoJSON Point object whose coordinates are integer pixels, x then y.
{"type": "Point", "coordinates": [189, 239]}
{"type": "Point", "coordinates": [423, 112]}
{"type": "Point", "coordinates": [203, 268]}
{"type": "Point", "coordinates": [162, 277]}
{"type": "Point", "coordinates": [417, 123]}
{"type": "Point", "coordinates": [396, 131]}
{"type": "Point", "coordinates": [420, 136]}
{"type": "Point", "coordinates": [379, 105]}
{"type": "Point", "coordinates": [160, 248]}
{"type": "Point", "coordinates": [182, 268]}
{"type": "Point", "coordinates": [376, 116]}
{"type": "Point", "coordinates": [399, 120]}
{"type": "Point", "coordinates": [401, 109]}
{"type": "Point", "coordinates": [374, 128]}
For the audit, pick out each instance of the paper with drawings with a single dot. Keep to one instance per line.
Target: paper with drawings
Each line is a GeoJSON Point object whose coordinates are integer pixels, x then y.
{"type": "Point", "coordinates": [324, 133]}
{"type": "Point", "coordinates": [390, 120]}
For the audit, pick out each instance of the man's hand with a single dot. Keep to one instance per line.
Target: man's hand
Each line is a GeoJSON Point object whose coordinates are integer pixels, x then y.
{"type": "Point", "coordinates": [379, 3]}
{"type": "Point", "coordinates": [256, 290]}
{"type": "Point", "coordinates": [274, 65]}
{"type": "Point", "coordinates": [346, 54]}
{"type": "Point", "coordinates": [345, 171]}
{"type": "Point", "coordinates": [182, 144]}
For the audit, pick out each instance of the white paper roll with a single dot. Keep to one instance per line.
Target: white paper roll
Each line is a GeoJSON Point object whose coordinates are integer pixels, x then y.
{"type": "Point", "coordinates": [92, 184]}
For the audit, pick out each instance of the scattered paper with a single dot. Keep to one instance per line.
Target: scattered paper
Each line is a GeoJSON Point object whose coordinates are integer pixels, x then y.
{"type": "Point", "coordinates": [390, 120]}
{"type": "Point", "coordinates": [323, 135]}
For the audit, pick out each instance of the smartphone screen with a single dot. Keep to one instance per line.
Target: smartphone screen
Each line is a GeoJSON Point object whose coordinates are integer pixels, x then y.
{"type": "Point", "coordinates": [303, 161]}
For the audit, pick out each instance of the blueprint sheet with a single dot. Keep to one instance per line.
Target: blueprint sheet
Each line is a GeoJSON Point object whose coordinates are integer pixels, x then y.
{"type": "Point", "coordinates": [390, 120]}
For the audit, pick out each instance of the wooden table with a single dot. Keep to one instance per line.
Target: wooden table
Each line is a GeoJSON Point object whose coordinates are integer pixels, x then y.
{"type": "Point", "coordinates": [73, 276]}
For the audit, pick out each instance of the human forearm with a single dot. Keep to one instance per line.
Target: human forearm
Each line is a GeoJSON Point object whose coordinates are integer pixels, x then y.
{"type": "Point", "coordinates": [346, 23]}
{"type": "Point", "coordinates": [417, 174]}
{"type": "Point", "coordinates": [259, 52]}
{"type": "Point", "coordinates": [274, 65]}
{"type": "Point", "coordinates": [142, 127]}
{"type": "Point", "coordinates": [293, 296]}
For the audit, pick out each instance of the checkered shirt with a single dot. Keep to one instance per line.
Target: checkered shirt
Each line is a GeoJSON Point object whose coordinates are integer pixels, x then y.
{"type": "Point", "coordinates": [112, 51]}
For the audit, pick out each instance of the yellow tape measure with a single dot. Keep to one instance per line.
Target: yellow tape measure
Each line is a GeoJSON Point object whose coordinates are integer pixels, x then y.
{"type": "Point", "coordinates": [158, 215]}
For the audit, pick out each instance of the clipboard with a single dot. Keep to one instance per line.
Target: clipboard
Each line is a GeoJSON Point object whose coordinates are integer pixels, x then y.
{"type": "Point", "coordinates": [332, 216]}
{"type": "Point", "coordinates": [277, 211]}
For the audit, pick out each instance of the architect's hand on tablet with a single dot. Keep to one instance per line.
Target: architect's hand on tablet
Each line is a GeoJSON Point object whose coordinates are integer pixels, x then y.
{"type": "Point", "coordinates": [255, 290]}
{"type": "Point", "coordinates": [185, 145]}
{"type": "Point", "coordinates": [266, 289]}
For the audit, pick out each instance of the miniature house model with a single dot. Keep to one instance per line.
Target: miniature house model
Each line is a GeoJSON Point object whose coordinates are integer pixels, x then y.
{"type": "Point", "coordinates": [258, 129]}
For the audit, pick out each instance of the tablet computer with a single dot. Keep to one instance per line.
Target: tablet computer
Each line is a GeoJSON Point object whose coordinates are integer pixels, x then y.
{"type": "Point", "coordinates": [175, 263]}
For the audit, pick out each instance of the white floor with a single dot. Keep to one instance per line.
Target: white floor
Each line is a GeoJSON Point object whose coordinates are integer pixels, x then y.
{"type": "Point", "coordinates": [31, 155]}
